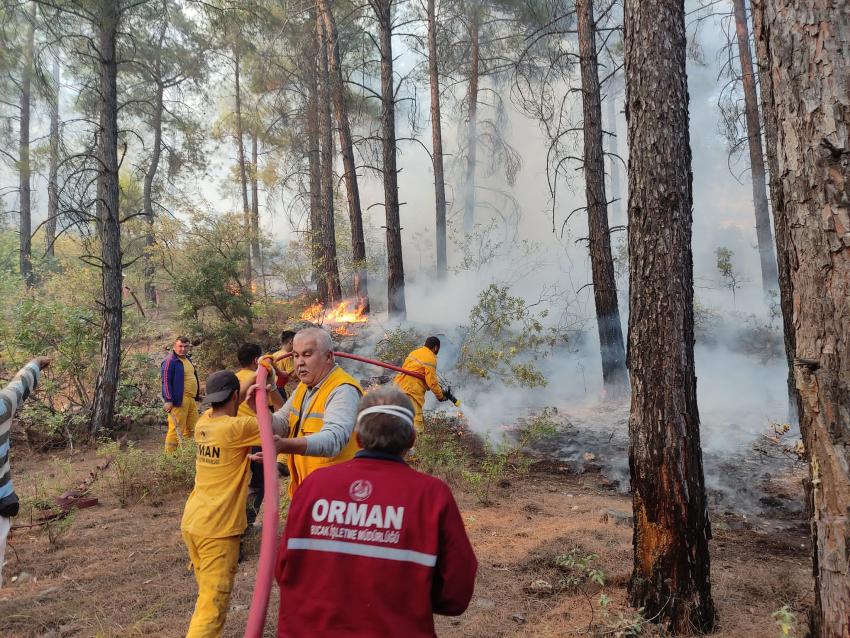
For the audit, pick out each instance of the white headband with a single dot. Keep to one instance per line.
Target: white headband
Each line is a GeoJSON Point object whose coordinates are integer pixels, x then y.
{"type": "Point", "coordinates": [394, 410]}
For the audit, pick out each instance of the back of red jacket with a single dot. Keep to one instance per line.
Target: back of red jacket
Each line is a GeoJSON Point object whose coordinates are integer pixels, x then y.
{"type": "Point", "coordinates": [372, 548]}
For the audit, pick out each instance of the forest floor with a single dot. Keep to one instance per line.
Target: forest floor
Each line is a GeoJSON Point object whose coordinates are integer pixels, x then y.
{"type": "Point", "coordinates": [121, 571]}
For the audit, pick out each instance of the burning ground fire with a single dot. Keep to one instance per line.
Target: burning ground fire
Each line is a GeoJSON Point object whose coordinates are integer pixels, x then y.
{"type": "Point", "coordinates": [338, 317]}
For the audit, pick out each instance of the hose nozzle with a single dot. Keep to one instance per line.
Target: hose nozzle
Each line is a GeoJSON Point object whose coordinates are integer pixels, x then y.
{"type": "Point", "coordinates": [447, 393]}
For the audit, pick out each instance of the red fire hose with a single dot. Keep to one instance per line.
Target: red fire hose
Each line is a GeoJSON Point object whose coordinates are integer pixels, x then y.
{"type": "Point", "coordinates": [268, 543]}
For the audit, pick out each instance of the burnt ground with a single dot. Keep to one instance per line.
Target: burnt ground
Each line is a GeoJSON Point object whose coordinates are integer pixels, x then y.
{"type": "Point", "coordinates": [121, 571]}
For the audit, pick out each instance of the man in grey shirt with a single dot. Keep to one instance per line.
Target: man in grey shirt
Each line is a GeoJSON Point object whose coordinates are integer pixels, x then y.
{"type": "Point", "coordinates": [322, 411]}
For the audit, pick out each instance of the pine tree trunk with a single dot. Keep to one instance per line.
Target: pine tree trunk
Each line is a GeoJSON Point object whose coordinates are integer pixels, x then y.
{"type": "Point", "coordinates": [764, 236]}
{"type": "Point", "coordinates": [358, 241]}
{"type": "Point", "coordinates": [805, 44]}
{"type": "Point", "coordinates": [395, 264]}
{"type": "Point", "coordinates": [108, 221]}
{"type": "Point", "coordinates": [616, 206]}
{"type": "Point", "coordinates": [53, 169]}
{"type": "Point", "coordinates": [780, 222]}
{"type": "Point", "coordinates": [670, 579]}
{"type": "Point", "coordinates": [472, 127]}
{"type": "Point", "coordinates": [602, 265]}
{"type": "Point", "coordinates": [24, 167]}
{"type": "Point", "coordinates": [315, 165]}
{"type": "Point", "coordinates": [437, 141]}
{"type": "Point", "coordinates": [329, 265]}
{"type": "Point", "coordinates": [243, 177]}
{"type": "Point", "coordinates": [257, 258]}
{"type": "Point", "coordinates": [147, 191]}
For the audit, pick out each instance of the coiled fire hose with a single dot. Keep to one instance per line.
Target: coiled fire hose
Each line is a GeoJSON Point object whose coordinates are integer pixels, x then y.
{"type": "Point", "coordinates": [271, 494]}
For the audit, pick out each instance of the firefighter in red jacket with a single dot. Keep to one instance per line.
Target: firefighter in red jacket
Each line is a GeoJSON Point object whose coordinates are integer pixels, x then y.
{"type": "Point", "coordinates": [372, 547]}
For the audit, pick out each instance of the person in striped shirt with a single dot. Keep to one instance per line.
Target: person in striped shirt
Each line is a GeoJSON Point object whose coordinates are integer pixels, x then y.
{"type": "Point", "coordinates": [11, 398]}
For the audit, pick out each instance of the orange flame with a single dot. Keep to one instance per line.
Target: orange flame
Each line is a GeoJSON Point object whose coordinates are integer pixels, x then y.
{"type": "Point", "coordinates": [345, 312]}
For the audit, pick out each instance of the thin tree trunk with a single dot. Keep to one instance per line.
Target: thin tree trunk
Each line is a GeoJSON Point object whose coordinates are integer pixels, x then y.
{"type": "Point", "coordinates": [147, 191]}
{"type": "Point", "coordinates": [243, 177]}
{"type": "Point", "coordinates": [805, 46]}
{"type": "Point", "coordinates": [602, 265]}
{"type": "Point", "coordinates": [472, 127]}
{"type": "Point", "coordinates": [670, 579]}
{"type": "Point", "coordinates": [358, 241]}
{"type": "Point", "coordinates": [108, 221]}
{"type": "Point", "coordinates": [780, 222]}
{"type": "Point", "coordinates": [437, 141]}
{"type": "Point", "coordinates": [24, 167]}
{"type": "Point", "coordinates": [616, 206]}
{"type": "Point", "coordinates": [330, 267]}
{"type": "Point", "coordinates": [764, 236]}
{"type": "Point", "coordinates": [257, 258]}
{"type": "Point", "coordinates": [53, 170]}
{"type": "Point", "coordinates": [315, 170]}
{"type": "Point", "coordinates": [395, 263]}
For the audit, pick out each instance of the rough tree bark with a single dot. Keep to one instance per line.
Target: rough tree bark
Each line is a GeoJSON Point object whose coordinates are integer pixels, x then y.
{"type": "Point", "coordinates": [53, 167]}
{"type": "Point", "coordinates": [616, 206]}
{"type": "Point", "coordinates": [150, 176]}
{"type": "Point", "coordinates": [395, 264]}
{"type": "Point", "coordinates": [108, 220]}
{"type": "Point", "coordinates": [437, 140]}
{"type": "Point", "coordinates": [670, 579]}
{"type": "Point", "coordinates": [602, 265]}
{"type": "Point", "coordinates": [472, 125]}
{"type": "Point", "coordinates": [804, 44]}
{"type": "Point", "coordinates": [243, 177]}
{"type": "Point", "coordinates": [314, 164]}
{"type": "Point", "coordinates": [358, 241]}
{"type": "Point", "coordinates": [764, 236]}
{"type": "Point", "coordinates": [24, 167]}
{"type": "Point", "coordinates": [329, 265]}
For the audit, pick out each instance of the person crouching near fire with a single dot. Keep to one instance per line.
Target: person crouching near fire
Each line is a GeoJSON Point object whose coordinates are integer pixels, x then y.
{"type": "Point", "coordinates": [373, 547]}
{"type": "Point", "coordinates": [214, 517]}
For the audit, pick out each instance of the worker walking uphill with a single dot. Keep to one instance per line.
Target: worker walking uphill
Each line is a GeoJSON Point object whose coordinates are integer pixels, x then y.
{"type": "Point", "coordinates": [424, 362]}
{"type": "Point", "coordinates": [321, 410]}
{"type": "Point", "coordinates": [372, 547]}
{"type": "Point", "coordinates": [180, 391]}
{"type": "Point", "coordinates": [214, 517]}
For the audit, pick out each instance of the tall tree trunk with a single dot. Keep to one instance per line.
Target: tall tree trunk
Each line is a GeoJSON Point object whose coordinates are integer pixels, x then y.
{"type": "Point", "coordinates": [670, 579]}
{"type": "Point", "coordinates": [147, 191]}
{"type": "Point", "coordinates": [437, 141]}
{"type": "Point", "coordinates": [108, 220]}
{"type": "Point", "coordinates": [395, 263]}
{"type": "Point", "coordinates": [330, 267]}
{"type": "Point", "coordinates": [53, 170]}
{"type": "Point", "coordinates": [602, 265]}
{"type": "Point", "coordinates": [616, 206]}
{"type": "Point", "coordinates": [315, 166]}
{"type": "Point", "coordinates": [805, 44]}
{"type": "Point", "coordinates": [764, 236]}
{"type": "Point", "coordinates": [358, 241]}
{"type": "Point", "coordinates": [243, 177]}
{"type": "Point", "coordinates": [24, 167]}
{"type": "Point", "coordinates": [257, 258]}
{"type": "Point", "coordinates": [780, 221]}
{"type": "Point", "coordinates": [472, 126]}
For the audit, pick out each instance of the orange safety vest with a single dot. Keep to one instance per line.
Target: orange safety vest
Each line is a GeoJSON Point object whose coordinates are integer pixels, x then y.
{"type": "Point", "coordinates": [307, 419]}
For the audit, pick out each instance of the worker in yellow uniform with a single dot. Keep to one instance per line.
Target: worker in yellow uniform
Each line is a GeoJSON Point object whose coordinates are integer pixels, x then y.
{"type": "Point", "coordinates": [321, 411]}
{"type": "Point", "coordinates": [286, 381]}
{"type": "Point", "coordinates": [180, 389]}
{"type": "Point", "coordinates": [248, 356]}
{"type": "Point", "coordinates": [423, 361]}
{"type": "Point", "coordinates": [214, 517]}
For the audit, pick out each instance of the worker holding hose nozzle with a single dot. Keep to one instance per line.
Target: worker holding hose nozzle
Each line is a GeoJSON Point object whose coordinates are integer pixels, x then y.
{"type": "Point", "coordinates": [422, 361]}
{"type": "Point", "coordinates": [214, 517]}
{"type": "Point", "coordinates": [373, 547]}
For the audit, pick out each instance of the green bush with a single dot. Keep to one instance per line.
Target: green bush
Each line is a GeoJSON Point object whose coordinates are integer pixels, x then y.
{"type": "Point", "coordinates": [135, 474]}
{"type": "Point", "coordinates": [396, 344]}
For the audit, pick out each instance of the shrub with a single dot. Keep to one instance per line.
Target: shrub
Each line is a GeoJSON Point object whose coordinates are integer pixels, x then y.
{"type": "Point", "coordinates": [396, 344]}
{"type": "Point", "coordinates": [135, 474]}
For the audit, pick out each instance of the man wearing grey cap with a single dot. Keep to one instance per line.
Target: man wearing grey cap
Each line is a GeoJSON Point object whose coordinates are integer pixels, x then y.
{"type": "Point", "coordinates": [214, 517]}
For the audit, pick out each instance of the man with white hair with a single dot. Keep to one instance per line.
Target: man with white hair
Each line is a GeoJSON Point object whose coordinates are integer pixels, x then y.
{"type": "Point", "coordinates": [321, 410]}
{"type": "Point", "coordinates": [372, 547]}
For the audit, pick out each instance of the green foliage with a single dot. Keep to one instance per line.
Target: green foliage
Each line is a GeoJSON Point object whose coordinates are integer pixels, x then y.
{"type": "Point", "coordinates": [439, 450]}
{"type": "Point", "coordinates": [579, 568]}
{"type": "Point", "coordinates": [135, 474]}
{"type": "Point", "coordinates": [785, 621]}
{"type": "Point", "coordinates": [505, 338]}
{"type": "Point", "coordinates": [730, 276]}
{"type": "Point", "coordinates": [617, 623]}
{"type": "Point", "coordinates": [396, 344]}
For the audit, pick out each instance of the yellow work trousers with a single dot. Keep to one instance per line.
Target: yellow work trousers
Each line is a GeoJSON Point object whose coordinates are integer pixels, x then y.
{"type": "Point", "coordinates": [214, 561]}
{"type": "Point", "coordinates": [418, 419]}
{"type": "Point", "coordinates": [184, 418]}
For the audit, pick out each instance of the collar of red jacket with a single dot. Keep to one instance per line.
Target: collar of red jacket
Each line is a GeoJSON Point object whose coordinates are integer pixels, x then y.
{"type": "Point", "coordinates": [379, 456]}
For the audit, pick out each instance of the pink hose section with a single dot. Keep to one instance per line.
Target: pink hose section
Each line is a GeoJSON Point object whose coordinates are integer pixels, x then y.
{"type": "Point", "coordinates": [268, 545]}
